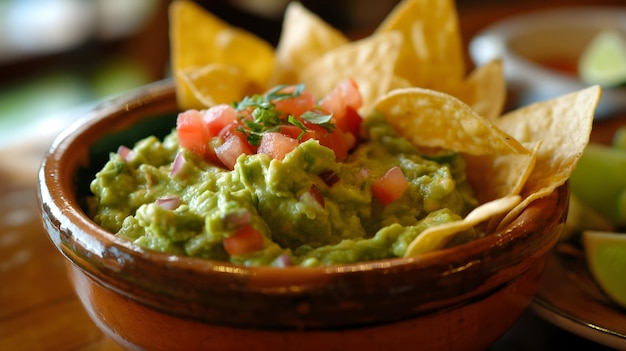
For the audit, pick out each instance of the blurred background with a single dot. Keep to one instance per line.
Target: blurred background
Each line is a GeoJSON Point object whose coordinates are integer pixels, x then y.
{"type": "Point", "coordinates": [60, 57]}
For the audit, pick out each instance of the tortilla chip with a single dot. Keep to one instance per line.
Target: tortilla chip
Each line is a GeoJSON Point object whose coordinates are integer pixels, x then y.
{"type": "Point", "coordinates": [563, 126]}
{"type": "Point", "coordinates": [435, 238]}
{"type": "Point", "coordinates": [433, 57]}
{"type": "Point", "coordinates": [199, 38]}
{"type": "Point", "coordinates": [304, 38]}
{"type": "Point", "coordinates": [485, 90]}
{"type": "Point", "coordinates": [215, 84]}
{"type": "Point", "coordinates": [398, 83]}
{"type": "Point", "coordinates": [493, 176]}
{"type": "Point", "coordinates": [429, 118]}
{"type": "Point", "coordinates": [370, 62]}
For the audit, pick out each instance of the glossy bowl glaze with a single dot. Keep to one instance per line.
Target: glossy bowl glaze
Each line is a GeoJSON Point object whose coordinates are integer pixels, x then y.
{"type": "Point", "coordinates": [523, 42]}
{"type": "Point", "coordinates": [462, 298]}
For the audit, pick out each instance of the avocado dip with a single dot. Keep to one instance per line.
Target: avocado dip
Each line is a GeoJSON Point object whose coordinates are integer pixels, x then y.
{"type": "Point", "coordinates": [315, 204]}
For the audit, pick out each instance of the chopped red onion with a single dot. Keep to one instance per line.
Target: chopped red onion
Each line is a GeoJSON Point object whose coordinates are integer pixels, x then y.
{"type": "Point", "coordinates": [282, 260]}
{"type": "Point", "coordinates": [364, 172]}
{"type": "Point", "coordinates": [237, 219]}
{"type": "Point", "coordinates": [125, 153]}
{"type": "Point", "coordinates": [178, 164]}
{"type": "Point", "coordinates": [317, 195]}
{"type": "Point", "coordinates": [329, 177]}
{"type": "Point", "coordinates": [169, 202]}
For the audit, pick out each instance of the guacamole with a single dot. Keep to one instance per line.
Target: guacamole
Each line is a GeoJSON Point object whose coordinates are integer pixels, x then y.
{"type": "Point", "coordinates": [309, 207]}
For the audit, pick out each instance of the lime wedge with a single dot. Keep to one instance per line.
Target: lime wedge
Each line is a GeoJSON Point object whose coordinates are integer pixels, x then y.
{"type": "Point", "coordinates": [606, 259]}
{"type": "Point", "coordinates": [603, 61]}
{"type": "Point", "coordinates": [619, 139]}
{"type": "Point", "coordinates": [583, 217]}
{"type": "Point", "coordinates": [599, 180]}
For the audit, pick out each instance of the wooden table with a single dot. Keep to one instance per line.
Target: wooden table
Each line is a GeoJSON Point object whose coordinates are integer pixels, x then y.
{"type": "Point", "coordinates": [38, 309]}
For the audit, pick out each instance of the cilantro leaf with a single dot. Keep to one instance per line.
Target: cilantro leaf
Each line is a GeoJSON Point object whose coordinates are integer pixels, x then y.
{"type": "Point", "coordinates": [259, 114]}
{"type": "Point", "coordinates": [276, 94]}
{"type": "Point", "coordinates": [293, 120]}
{"type": "Point", "coordinates": [318, 118]}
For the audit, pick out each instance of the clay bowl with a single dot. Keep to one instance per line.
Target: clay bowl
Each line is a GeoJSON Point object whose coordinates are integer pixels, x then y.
{"type": "Point", "coordinates": [462, 298]}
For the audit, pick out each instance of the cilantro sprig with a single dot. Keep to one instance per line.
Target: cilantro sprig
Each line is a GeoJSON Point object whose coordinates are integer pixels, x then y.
{"type": "Point", "coordinates": [266, 118]}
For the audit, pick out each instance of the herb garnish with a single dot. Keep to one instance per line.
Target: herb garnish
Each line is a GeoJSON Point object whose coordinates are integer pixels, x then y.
{"type": "Point", "coordinates": [259, 114]}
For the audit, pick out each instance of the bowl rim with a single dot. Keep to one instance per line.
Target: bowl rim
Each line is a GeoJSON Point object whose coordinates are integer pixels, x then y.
{"type": "Point", "coordinates": [60, 208]}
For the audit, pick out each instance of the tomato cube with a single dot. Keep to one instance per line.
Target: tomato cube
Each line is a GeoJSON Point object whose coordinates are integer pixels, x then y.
{"type": "Point", "coordinates": [229, 151]}
{"type": "Point", "coordinates": [277, 145]}
{"type": "Point", "coordinates": [244, 241]}
{"type": "Point", "coordinates": [391, 186]}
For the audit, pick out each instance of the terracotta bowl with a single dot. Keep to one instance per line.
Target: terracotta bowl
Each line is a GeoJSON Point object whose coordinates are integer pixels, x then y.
{"type": "Point", "coordinates": [462, 298]}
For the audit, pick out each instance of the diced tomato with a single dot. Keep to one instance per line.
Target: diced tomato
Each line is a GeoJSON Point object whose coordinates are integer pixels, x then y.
{"type": "Point", "coordinates": [345, 95]}
{"type": "Point", "coordinates": [229, 130]}
{"type": "Point", "coordinates": [332, 104]}
{"type": "Point", "coordinates": [210, 155]}
{"type": "Point", "coordinates": [350, 122]}
{"type": "Point", "coordinates": [218, 117]}
{"type": "Point", "coordinates": [192, 132]}
{"type": "Point", "coordinates": [244, 241]}
{"type": "Point", "coordinates": [390, 186]}
{"type": "Point", "coordinates": [349, 90]}
{"type": "Point", "coordinates": [343, 102]}
{"type": "Point", "coordinates": [296, 105]}
{"type": "Point", "coordinates": [291, 130]}
{"type": "Point", "coordinates": [295, 132]}
{"type": "Point", "coordinates": [335, 140]}
{"type": "Point", "coordinates": [197, 129]}
{"type": "Point", "coordinates": [233, 146]}
{"type": "Point", "coordinates": [216, 133]}
{"type": "Point", "coordinates": [277, 145]}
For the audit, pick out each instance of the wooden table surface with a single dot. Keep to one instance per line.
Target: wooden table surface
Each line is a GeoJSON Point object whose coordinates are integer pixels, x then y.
{"type": "Point", "coordinates": [38, 308]}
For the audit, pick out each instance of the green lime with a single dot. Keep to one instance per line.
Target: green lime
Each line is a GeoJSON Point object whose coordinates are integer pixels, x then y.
{"type": "Point", "coordinates": [583, 217]}
{"type": "Point", "coordinates": [619, 139]}
{"type": "Point", "coordinates": [603, 61]}
{"type": "Point", "coordinates": [599, 181]}
{"type": "Point", "coordinates": [606, 259]}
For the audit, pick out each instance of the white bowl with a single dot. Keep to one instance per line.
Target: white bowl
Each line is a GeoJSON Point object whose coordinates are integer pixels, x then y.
{"type": "Point", "coordinates": [525, 40]}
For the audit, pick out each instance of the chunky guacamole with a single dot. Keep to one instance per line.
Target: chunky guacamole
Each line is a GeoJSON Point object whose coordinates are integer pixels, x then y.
{"type": "Point", "coordinates": [287, 197]}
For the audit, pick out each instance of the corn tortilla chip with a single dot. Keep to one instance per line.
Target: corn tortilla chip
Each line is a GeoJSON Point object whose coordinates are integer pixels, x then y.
{"type": "Point", "coordinates": [429, 118]}
{"type": "Point", "coordinates": [215, 84]}
{"type": "Point", "coordinates": [563, 126]}
{"type": "Point", "coordinates": [433, 54]}
{"type": "Point", "coordinates": [485, 90]}
{"type": "Point", "coordinates": [304, 38]}
{"type": "Point", "coordinates": [198, 38]}
{"type": "Point", "coordinates": [493, 176]}
{"type": "Point", "coordinates": [398, 83]}
{"type": "Point", "coordinates": [370, 62]}
{"type": "Point", "coordinates": [437, 237]}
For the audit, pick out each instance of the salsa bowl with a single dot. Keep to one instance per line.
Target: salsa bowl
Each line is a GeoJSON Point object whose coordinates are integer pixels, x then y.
{"type": "Point", "coordinates": [460, 298]}
{"type": "Point", "coordinates": [541, 50]}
